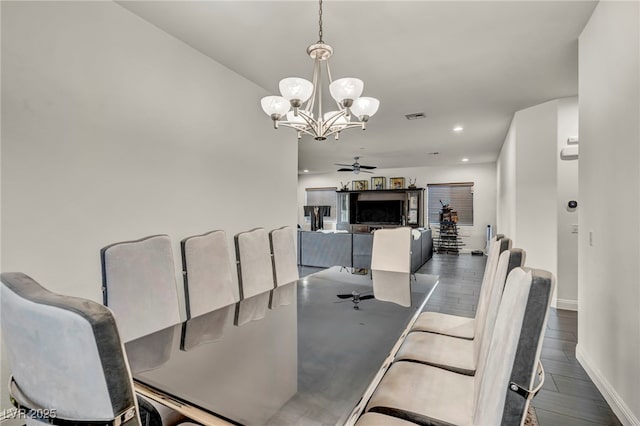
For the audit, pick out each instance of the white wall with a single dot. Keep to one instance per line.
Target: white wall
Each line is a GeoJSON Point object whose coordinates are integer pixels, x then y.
{"type": "Point", "coordinates": [506, 185]}
{"type": "Point", "coordinates": [536, 211]}
{"type": "Point", "coordinates": [609, 268]}
{"type": "Point", "coordinates": [527, 184]}
{"type": "Point", "coordinates": [113, 130]}
{"type": "Point", "coordinates": [567, 187]}
{"type": "Point", "coordinates": [484, 197]}
{"type": "Point", "coordinates": [534, 186]}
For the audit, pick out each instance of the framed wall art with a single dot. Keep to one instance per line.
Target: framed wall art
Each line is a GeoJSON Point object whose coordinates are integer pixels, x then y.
{"type": "Point", "coordinates": [396, 182]}
{"type": "Point", "coordinates": [359, 185]}
{"type": "Point", "coordinates": [378, 182]}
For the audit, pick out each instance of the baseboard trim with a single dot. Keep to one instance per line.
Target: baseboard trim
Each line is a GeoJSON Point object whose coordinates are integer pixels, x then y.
{"type": "Point", "coordinates": [567, 304]}
{"type": "Point", "coordinates": [617, 404]}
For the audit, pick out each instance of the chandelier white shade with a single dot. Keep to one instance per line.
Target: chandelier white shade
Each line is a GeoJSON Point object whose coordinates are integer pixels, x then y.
{"type": "Point", "coordinates": [301, 99]}
{"type": "Point", "coordinates": [346, 89]}
{"type": "Point", "coordinates": [365, 107]}
{"type": "Point", "coordinates": [296, 89]}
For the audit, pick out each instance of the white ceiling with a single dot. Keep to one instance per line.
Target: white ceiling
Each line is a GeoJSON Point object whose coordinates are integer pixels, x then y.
{"type": "Point", "coordinates": [462, 63]}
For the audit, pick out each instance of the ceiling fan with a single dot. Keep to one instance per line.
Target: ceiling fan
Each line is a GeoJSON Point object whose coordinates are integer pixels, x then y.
{"type": "Point", "coordinates": [355, 297]}
{"type": "Point", "coordinates": [355, 167]}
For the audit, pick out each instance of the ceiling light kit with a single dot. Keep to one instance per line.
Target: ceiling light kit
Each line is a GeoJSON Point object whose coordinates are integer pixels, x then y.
{"type": "Point", "coordinates": [290, 110]}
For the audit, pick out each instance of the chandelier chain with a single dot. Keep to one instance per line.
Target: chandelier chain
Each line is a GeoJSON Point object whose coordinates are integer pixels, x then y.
{"type": "Point", "coordinates": [320, 23]}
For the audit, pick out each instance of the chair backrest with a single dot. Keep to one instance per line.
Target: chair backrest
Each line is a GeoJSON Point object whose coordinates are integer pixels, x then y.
{"type": "Point", "coordinates": [509, 259]}
{"type": "Point", "coordinates": [391, 265]}
{"type": "Point", "coordinates": [514, 349]}
{"type": "Point", "coordinates": [529, 348]}
{"type": "Point", "coordinates": [139, 285]}
{"type": "Point", "coordinates": [495, 249]}
{"type": "Point", "coordinates": [255, 275]}
{"type": "Point", "coordinates": [285, 266]}
{"type": "Point", "coordinates": [505, 244]}
{"type": "Point", "coordinates": [208, 273]}
{"type": "Point", "coordinates": [65, 353]}
{"type": "Point", "coordinates": [283, 248]}
{"type": "Point", "coordinates": [255, 270]}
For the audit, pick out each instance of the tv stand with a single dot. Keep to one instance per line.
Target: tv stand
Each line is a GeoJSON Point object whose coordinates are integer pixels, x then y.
{"type": "Point", "coordinates": [351, 205]}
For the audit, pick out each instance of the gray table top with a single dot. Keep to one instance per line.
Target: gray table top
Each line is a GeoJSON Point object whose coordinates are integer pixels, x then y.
{"type": "Point", "coordinates": [308, 362]}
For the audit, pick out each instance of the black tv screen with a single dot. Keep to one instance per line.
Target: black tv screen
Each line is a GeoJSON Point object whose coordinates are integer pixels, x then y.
{"type": "Point", "coordinates": [389, 212]}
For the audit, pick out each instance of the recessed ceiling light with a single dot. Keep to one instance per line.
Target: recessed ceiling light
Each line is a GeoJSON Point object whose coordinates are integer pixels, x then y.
{"type": "Point", "coordinates": [306, 171]}
{"type": "Point", "coordinates": [458, 129]}
{"type": "Point", "coordinates": [464, 160]}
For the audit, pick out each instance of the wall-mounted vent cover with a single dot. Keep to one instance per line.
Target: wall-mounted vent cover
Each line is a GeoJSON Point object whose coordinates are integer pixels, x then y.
{"type": "Point", "coordinates": [415, 115]}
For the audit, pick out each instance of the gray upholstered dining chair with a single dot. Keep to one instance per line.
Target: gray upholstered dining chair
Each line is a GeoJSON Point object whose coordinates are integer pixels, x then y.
{"type": "Point", "coordinates": [255, 275]}
{"type": "Point", "coordinates": [208, 274]}
{"type": "Point", "coordinates": [139, 285]}
{"type": "Point", "coordinates": [66, 355]}
{"type": "Point", "coordinates": [285, 265]}
{"type": "Point", "coordinates": [208, 287]}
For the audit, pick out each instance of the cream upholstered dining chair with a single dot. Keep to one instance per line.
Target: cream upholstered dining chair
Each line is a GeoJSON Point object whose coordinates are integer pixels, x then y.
{"type": "Point", "coordinates": [458, 326]}
{"type": "Point", "coordinates": [391, 265]}
{"type": "Point", "coordinates": [455, 353]}
{"type": "Point", "coordinates": [503, 386]}
{"type": "Point", "coordinates": [65, 355]}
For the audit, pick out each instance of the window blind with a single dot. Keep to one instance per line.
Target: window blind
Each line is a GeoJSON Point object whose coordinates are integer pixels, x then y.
{"type": "Point", "coordinates": [459, 196]}
{"type": "Point", "coordinates": [323, 197]}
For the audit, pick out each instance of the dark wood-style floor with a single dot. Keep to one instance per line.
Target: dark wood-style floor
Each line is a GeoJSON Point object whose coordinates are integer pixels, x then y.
{"type": "Point", "coordinates": [568, 397]}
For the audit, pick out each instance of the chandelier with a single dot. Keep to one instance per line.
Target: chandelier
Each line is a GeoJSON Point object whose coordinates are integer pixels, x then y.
{"type": "Point", "coordinates": [300, 106]}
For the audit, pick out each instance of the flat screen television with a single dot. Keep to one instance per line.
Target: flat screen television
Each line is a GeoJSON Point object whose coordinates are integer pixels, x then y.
{"type": "Point", "coordinates": [379, 212]}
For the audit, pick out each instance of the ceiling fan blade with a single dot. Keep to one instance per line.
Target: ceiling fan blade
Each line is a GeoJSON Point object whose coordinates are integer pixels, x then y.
{"type": "Point", "coordinates": [345, 296]}
{"type": "Point", "coordinates": [346, 170]}
{"type": "Point", "coordinates": [339, 164]}
{"type": "Point", "coordinates": [368, 167]}
{"type": "Point", "coordinates": [365, 171]}
{"type": "Point", "coordinates": [368, 296]}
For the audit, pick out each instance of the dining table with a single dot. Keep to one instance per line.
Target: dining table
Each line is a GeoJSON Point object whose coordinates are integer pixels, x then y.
{"type": "Point", "coordinates": [313, 356]}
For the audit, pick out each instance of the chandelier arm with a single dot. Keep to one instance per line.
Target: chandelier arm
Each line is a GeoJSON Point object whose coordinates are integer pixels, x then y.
{"type": "Point", "coordinates": [332, 120]}
{"type": "Point", "coordinates": [312, 99]}
{"type": "Point", "coordinates": [310, 121]}
{"type": "Point", "coordinates": [342, 127]}
{"type": "Point", "coordinates": [296, 127]}
{"type": "Point", "coordinates": [312, 127]}
{"type": "Point", "coordinates": [340, 107]}
{"type": "Point", "coordinates": [320, 118]}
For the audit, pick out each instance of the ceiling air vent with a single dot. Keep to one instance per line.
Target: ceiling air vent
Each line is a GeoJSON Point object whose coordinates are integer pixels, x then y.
{"type": "Point", "coordinates": [415, 115]}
